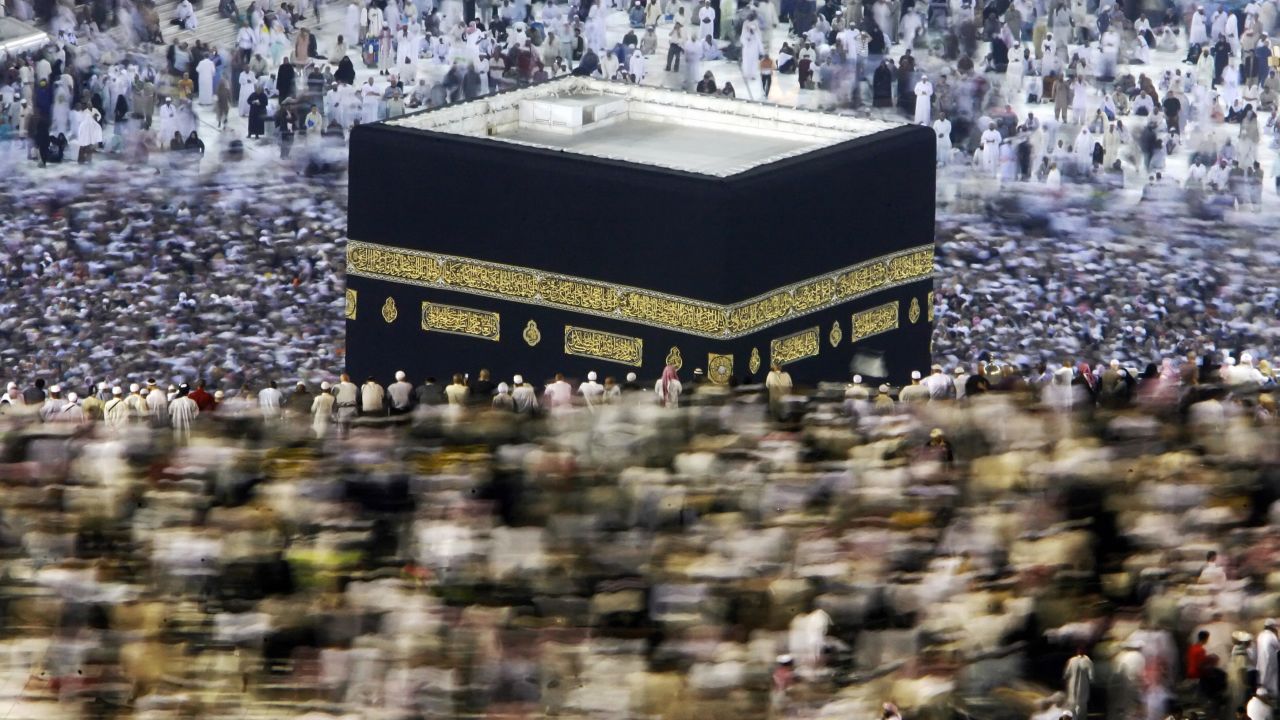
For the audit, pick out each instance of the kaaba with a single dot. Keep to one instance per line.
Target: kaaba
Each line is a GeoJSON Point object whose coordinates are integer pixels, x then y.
{"type": "Point", "coordinates": [580, 225]}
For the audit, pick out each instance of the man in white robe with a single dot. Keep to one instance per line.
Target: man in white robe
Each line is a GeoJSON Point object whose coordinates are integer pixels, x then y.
{"type": "Point", "coordinates": [115, 412]}
{"type": "Point", "coordinates": [591, 391]}
{"type": "Point", "coordinates": [1079, 678]}
{"type": "Point", "coordinates": [269, 401]}
{"type": "Point", "coordinates": [1268, 647]}
{"type": "Point", "coordinates": [322, 410]}
{"type": "Point", "coordinates": [157, 404]}
{"type": "Point", "coordinates": [205, 71]}
{"type": "Point", "coordinates": [990, 148]}
{"type": "Point", "coordinates": [182, 412]}
{"type": "Point", "coordinates": [924, 100]}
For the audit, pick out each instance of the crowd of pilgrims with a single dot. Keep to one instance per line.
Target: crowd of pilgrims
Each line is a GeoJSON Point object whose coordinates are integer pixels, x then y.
{"type": "Point", "coordinates": [990, 541]}
{"type": "Point", "coordinates": [1041, 90]}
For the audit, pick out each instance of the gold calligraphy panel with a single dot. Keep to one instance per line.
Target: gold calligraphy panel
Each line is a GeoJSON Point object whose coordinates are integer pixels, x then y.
{"type": "Point", "coordinates": [460, 321]}
{"type": "Point", "coordinates": [861, 280]}
{"type": "Point", "coordinates": [760, 313]}
{"type": "Point", "coordinates": [701, 318]}
{"type": "Point", "coordinates": [912, 265]}
{"type": "Point", "coordinates": [497, 280]}
{"type": "Point", "coordinates": [814, 294]}
{"type": "Point", "coordinates": [879, 319]}
{"type": "Point", "coordinates": [350, 310]}
{"type": "Point", "coordinates": [578, 294]}
{"type": "Point", "coordinates": [797, 346]}
{"type": "Point", "coordinates": [603, 345]}
{"type": "Point", "coordinates": [366, 259]}
{"type": "Point", "coordinates": [647, 307]}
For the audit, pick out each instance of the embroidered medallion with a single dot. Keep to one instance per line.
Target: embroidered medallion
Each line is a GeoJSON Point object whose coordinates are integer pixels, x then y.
{"type": "Point", "coordinates": [531, 335]}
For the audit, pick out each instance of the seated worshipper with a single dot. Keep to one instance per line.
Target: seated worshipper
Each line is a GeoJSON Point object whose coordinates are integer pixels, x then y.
{"type": "Point", "coordinates": [707, 85]}
{"type": "Point", "coordinates": [786, 59]}
{"type": "Point", "coordinates": [710, 49]}
{"type": "Point", "coordinates": [727, 90]}
{"type": "Point", "coordinates": [194, 145]}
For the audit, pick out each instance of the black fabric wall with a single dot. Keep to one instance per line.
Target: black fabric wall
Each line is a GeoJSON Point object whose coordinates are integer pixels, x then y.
{"type": "Point", "coordinates": [721, 240]}
{"type": "Point", "coordinates": [816, 212]}
{"type": "Point", "coordinates": [377, 348]}
{"type": "Point", "coordinates": [539, 208]}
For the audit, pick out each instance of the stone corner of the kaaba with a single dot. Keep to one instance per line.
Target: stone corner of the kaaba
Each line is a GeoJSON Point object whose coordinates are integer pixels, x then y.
{"type": "Point", "coordinates": [621, 255]}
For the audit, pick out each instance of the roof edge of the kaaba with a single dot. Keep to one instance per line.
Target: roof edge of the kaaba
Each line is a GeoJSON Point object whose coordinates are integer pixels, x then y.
{"type": "Point", "coordinates": [784, 133]}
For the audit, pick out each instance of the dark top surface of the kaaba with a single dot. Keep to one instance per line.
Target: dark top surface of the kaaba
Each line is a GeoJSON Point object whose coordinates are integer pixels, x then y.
{"type": "Point", "coordinates": [721, 239]}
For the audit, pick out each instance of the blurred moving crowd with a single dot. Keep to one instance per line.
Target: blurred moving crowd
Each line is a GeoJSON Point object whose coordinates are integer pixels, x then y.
{"type": "Point", "coordinates": [987, 542]}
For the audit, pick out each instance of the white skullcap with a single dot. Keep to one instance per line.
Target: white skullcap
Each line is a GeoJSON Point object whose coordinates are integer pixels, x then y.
{"type": "Point", "coordinates": [959, 370]}
{"type": "Point", "coordinates": [72, 397]}
{"type": "Point", "coordinates": [884, 389]}
{"type": "Point", "coordinates": [591, 376]}
{"type": "Point", "coordinates": [1246, 357]}
{"type": "Point", "coordinates": [915, 374]}
{"type": "Point", "coordinates": [631, 377]}
{"type": "Point", "coordinates": [1115, 363]}
{"type": "Point", "coordinates": [325, 385]}
{"type": "Point", "coordinates": [134, 387]}
{"type": "Point", "coordinates": [116, 390]}
{"type": "Point", "coordinates": [502, 388]}
{"type": "Point", "coordinates": [519, 379]}
{"type": "Point", "coordinates": [1231, 361]}
{"type": "Point", "coordinates": [12, 385]}
{"type": "Point", "coordinates": [102, 386]}
{"type": "Point", "coordinates": [55, 389]}
{"type": "Point", "coordinates": [857, 379]}
{"type": "Point", "coordinates": [400, 375]}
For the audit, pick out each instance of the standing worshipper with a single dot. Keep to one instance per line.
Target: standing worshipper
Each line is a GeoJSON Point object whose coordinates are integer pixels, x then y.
{"type": "Point", "coordinates": [1079, 678]}
{"type": "Point", "coordinates": [523, 395]}
{"type": "Point", "coordinates": [157, 404]}
{"type": "Point", "coordinates": [257, 113]}
{"type": "Point", "coordinates": [558, 394]}
{"type": "Point", "coordinates": [400, 393]}
{"type": "Point", "coordinates": [668, 388]}
{"type": "Point", "coordinates": [270, 400]}
{"type": "Point", "coordinates": [457, 391]}
{"type": "Point", "coordinates": [247, 86]}
{"type": "Point", "coordinates": [136, 404]}
{"type": "Point", "coordinates": [346, 398]}
{"type": "Point", "coordinates": [372, 397]}
{"type": "Point", "coordinates": [990, 149]}
{"type": "Point", "coordinates": [222, 105]}
{"type": "Point", "coordinates": [778, 383]}
{"type": "Point", "coordinates": [286, 77]}
{"type": "Point", "coordinates": [182, 412]}
{"type": "Point", "coordinates": [322, 410]}
{"type": "Point", "coordinates": [115, 412]}
{"type": "Point", "coordinates": [1267, 648]}
{"type": "Point", "coordinates": [88, 136]}
{"type": "Point", "coordinates": [591, 391]}
{"type": "Point", "coordinates": [205, 72]}
{"type": "Point", "coordinates": [924, 98]}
